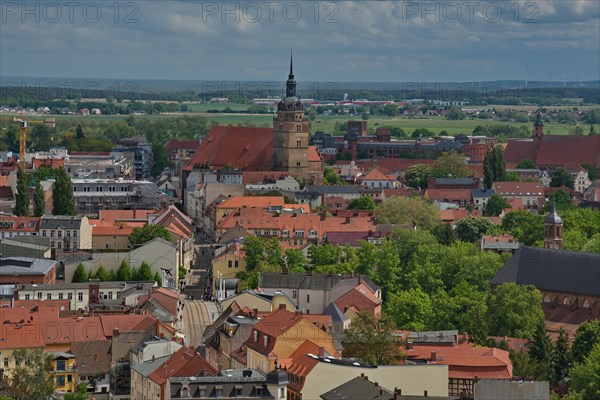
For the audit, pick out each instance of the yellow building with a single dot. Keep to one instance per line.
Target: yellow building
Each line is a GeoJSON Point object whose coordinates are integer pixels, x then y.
{"type": "Point", "coordinates": [228, 263]}
{"type": "Point", "coordinates": [279, 334]}
{"type": "Point", "coordinates": [64, 370]}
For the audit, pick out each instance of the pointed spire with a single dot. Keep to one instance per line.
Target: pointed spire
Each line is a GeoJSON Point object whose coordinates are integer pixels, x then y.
{"type": "Point", "coordinates": [538, 119]}
{"type": "Point", "coordinates": [291, 63]}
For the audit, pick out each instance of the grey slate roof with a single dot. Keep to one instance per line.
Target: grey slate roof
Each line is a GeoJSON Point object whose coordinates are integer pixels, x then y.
{"type": "Point", "coordinates": [20, 266]}
{"type": "Point", "coordinates": [358, 389]}
{"type": "Point", "coordinates": [279, 280]}
{"type": "Point", "coordinates": [146, 368]}
{"type": "Point", "coordinates": [335, 189]}
{"type": "Point", "coordinates": [482, 193]}
{"type": "Point", "coordinates": [60, 221]}
{"type": "Point", "coordinates": [334, 312]}
{"type": "Point", "coordinates": [456, 181]}
{"type": "Point", "coordinates": [553, 270]}
{"type": "Point", "coordinates": [232, 383]}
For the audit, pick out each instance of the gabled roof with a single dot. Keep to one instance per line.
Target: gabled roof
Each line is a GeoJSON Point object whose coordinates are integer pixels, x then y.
{"type": "Point", "coordinates": [234, 146]}
{"type": "Point", "coordinates": [360, 297]}
{"type": "Point", "coordinates": [552, 270]}
{"type": "Point", "coordinates": [358, 388]}
{"type": "Point", "coordinates": [184, 362]}
{"type": "Point", "coordinates": [518, 188]}
{"type": "Point", "coordinates": [562, 150]}
{"type": "Point", "coordinates": [279, 280]}
{"type": "Point", "coordinates": [336, 314]}
{"type": "Point", "coordinates": [376, 175]}
{"type": "Point", "coordinates": [313, 154]}
{"type": "Point", "coordinates": [448, 194]}
{"type": "Point", "coordinates": [278, 322]}
{"type": "Point", "coordinates": [518, 150]}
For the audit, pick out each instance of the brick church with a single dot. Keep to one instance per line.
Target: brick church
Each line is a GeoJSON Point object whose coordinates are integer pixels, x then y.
{"type": "Point", "coordinates": [283, 149]}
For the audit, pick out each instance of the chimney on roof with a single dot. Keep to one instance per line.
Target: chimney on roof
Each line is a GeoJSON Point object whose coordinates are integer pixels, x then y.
{"type": "Point", "coordinates": [376, 384]}
{"type": "Point", "coordinates": [255, 312]}
{"type": "Point", "coordinates": [282, 306]}
{"type": "Point", "coordinates": [308, 273]}
{"type": "Point", "coordinates": [323, 216]}
{"type": "Point", "coordinates": [434, 355]}
{"type": "Point", "coordinates": [362, 375]}
{"type": "Point", "coordinates": [153, 358]}
{"type": "Point", "coordinates": [347, 219]}
{"type": "Point", "coordinates": [321, 351]}
{"type": "Point", "coordinates": [285, 271]}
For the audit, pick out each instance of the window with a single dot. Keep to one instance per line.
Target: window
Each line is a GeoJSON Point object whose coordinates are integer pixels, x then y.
{"type": "Point", "coordinates": [39, 295]}
{"type": "Point", "coordinates": [44, 233]}
{"type": "Point", "coordinates": [298, 164]}
{"type": "Point", "coordinates": [99, 188]}
{"type": "Point", "coordinates": [49, 296]}
{"type": "Point", "coordinates": [230, 263]}
{"type": "Point", "coordinates": [308, 298]}
{"type": "Point", "coordinates": [299, 143]}
{"type": "Point", "coordinates": [80, 296]}
{"type": "Point", "coordinates": [69, 378]}
{"type": "Point", "coordinates": [60, 296]}
{"type": "Point", "coordinates": [237, 264]}
{"type": "Point", "coordinates": [110, 295]}
{"type": "Point", "coordinates": [5, 362]}
{"type": "Point", "coordinates": [60, 380]}
{"type": "Point", "coordinates": [60, 365]}
{"type": "Point", "coordinates": [26, 297]}
{"type": "Point", "coordinates": [59, 232]}
{"type": "Point", "coordinates": [294, 294]}
{"type": "Point", "coordinates": [52, 233]}
{"type": "Point", "coordinates": [70, 296]}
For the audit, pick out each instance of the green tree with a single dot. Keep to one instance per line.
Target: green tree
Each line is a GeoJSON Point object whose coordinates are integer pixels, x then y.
{"type": "Point", "coordinates": [144, 273]}
{"type": "Point", "coordinates": [158, 279]}
{"type": "Point", "coordinates": [494, 169]}
{"type": "Point", "coordinates": [361, 203]}
{"type": "Point", "coordinates": [514, 310]}
{"type": "Point", "coordinates": [295, 260]}
{"type": "Point", "coordinates": [422, 133]}
{"type": "Point", "coordinates": [325, 255]}
{"type": "Point", "coordinates": [495, 205]}
{"type": "Point", "coordinates": [417, 175]}
{"type": "Point", "coordinates": [524, 226]}
{"type": "Point", "coordinates": [541, 352]}
{"type": "Point", "coordinates": [592, 130]}
{"type": "Point", "coordinates": [561, 177]}
{"type": "Point", "coordinates": [523, 365]}
{"type": "Point", "coordinates": [586, 336]}
{"type": "Point", "coordinates": [444, 233]}
{"type": "Point", "coordinates": [80, 393]}
{"type": "Point", "coordinates": [593, 245]}
{"type": "Point", "coordinates": [330, 177]}
{"type": "Point", "coordinates": [79, 132]}
{"type": "Point", "coordinates": [411, 309]}
{"type": "Point", "coordinates": [22, 197]}
{"type": "Point", "coordinates": [312, 114]}
{"type": "Point", "coordinates": [370, 339]}
{"type": "Point", "coordinates": [254, 251]}
{"type": "Point", "coordinates": [561, 198]}
{"type": "Point", "coordinates": [101, 274]}
{"type": "Point", "coordinates": [455, 113]}
{"type": "Point", "coordinates": [414, 211]}
{"type": "Point", "coordinates": [526, 164]}
{"type": "Point", "coordinates": [585, 375]}
{"type": "Point", "coordinates": [451, 164]}
{"type": "Point", "coordinates": [591, 170]}
{"type": "Point", "coordinates": [124, 272]}
{"type": "Point", "coordinates": [62, 194]}
{"type": "Point", "coordinates": [39, 201]}
{"type": "Point", "coordinates": [79, 274]}
{"type": "Point", "coordinates": [562, 357]}
{"type": "Point", "coordinates": [31, 378]}
{"type": "Point", "coordinates": [146, 233]}
{"type": "Point", "coordinates": [472, 229]}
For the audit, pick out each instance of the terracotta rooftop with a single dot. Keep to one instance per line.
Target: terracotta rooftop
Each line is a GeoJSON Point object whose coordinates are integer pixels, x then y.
{"type": "Point", "coordinates": [448, 194]}
{"type": "Point", "coordinates": [235, 147]}
{"type": "Point", "coordinates": [251, 201]}
{"type": "Point", "coordinates": [184, 362]}
{"type": "Point", "coordinates": [313, 154]}
{"type": "Point", "coordinates": [518, 188]}
{"type": "Point", "coordinates": [182, 144]}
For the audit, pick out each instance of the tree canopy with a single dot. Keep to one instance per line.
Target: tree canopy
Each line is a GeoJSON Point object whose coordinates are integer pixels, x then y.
{"type": "Point", "coordinates": [361, 203]}
{"type": "Point", "coordinates": [414, 211]}
{"type": "Point", "coordinates": [146, 233]}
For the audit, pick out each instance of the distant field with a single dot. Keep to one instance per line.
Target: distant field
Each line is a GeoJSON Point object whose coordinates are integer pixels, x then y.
{"type": "Point", "coordinates": [327, 123]}
{"type": "Point", "coordinates": [203, 107]}
{"type": "Point", "coordinates": [434, 124]}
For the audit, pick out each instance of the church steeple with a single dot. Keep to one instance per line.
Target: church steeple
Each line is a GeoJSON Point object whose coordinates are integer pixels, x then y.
{"type": "Point", "coordinates": [553, 230]}
{"type": "Point", "coordinates": [290, 85]}
{"type": "Point", "coordinates": [538, 128]}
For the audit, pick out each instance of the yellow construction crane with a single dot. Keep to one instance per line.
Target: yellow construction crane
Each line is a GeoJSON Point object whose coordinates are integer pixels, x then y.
{"type": "Point", "coordinates": [23, 135]}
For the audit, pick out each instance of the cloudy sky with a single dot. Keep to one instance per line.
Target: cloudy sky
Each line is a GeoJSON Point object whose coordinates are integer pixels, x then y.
{"type": "Point", "coordinates": [384, 41]}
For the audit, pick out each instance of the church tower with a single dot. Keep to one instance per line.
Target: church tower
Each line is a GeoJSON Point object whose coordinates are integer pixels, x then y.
{"type": "Point", "coordinates": [538, 129]}
{"type": "Point", "coordinates": [553, 230]}
{"type": "Point", "coordinates": [290, 133]}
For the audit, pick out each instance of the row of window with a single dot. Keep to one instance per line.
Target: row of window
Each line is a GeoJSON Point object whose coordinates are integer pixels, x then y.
{"type": "Point", "coordinates": [61, 296]}
{"type": "Point", "coordinates": [101, 189]}
{"type": "Point", "coordinates": [59, 233]}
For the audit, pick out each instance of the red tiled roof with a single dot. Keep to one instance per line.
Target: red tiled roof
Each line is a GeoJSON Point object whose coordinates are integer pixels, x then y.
{"type": "Point", "coordinates": [6, 192]}
{"type": "Point", "coordinates": [518, 188]}
{"type": "Point", "coordinates": [465, 361]}
{"type": "Point", "coordinates": [182, 144]}
{"type": "Point", "coordinates": [313, 154]}
{"type": "Point", "coordinates": [448, 194]}
{"type": "Point", "coordinates": [561, 150]}
{"type": "Point", "coordinates": [126, 323]}
{"type": "Point", "coordinates": [320, 320]}
{"type": "Point", "coordinates": [453, 215]}
{"type": "Point", "coordinates": [360, 297]}
{"type": "Point", "coordinates": [16, 227]}
{"type": "Point", "coordinates": [184, 362]}
{"type": "Point", "coordinates": [237, 147]}
{"type": "Point", "coordinates": [278, 322]}
{"type": "Point", "coordinates": [518, 150]}
{"type": "Point", "coordinates": [115, 215]}
{"type": "Point", "coordinates": [251, 201]}
{"type": "Point", "coordinates": [376, 175]}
